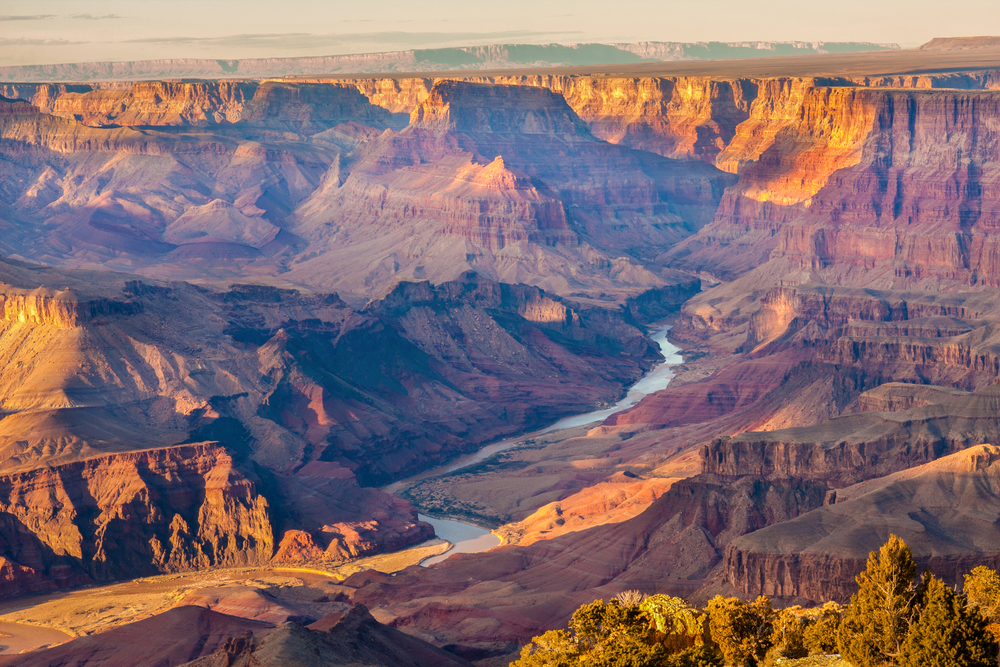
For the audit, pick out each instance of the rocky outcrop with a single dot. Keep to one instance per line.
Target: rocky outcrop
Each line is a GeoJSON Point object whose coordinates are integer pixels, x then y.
{"type": "Point", "coordinates": [329, 518]}
{"type": "Point", "coordinates": [304, 108]}
{"type": "Point", "coordinates": [523, 215]}
{"type": "Point", "coordinates": [150, 103]}
{"type": "Point", "coordinates": [897, 397]}
{"type": "Point", "coordinates": [854, 448]}
{"type": "Point", "coordinates": [909, 336]}
{"type": "Point", "coordinates": [280, 203]}
{"type": "Point", "coordinates": [882, 207]}
{"type": "Point", "coordinates": [60, 309]}
{"type": "Point", "coordinates": [355, 638]}
{"type": "Point", "coordinates": [308, 108]}
{"type": "Point", "coordinates": [24, 128]}
{"type": "Point", "coordinates": [784, 311]}
{"type": "Point", "coordinates": [322, 401]}
{"type": "Point", "coordinates": [786, 137]}
{"type": "Point", "coordinates": [679, 117]}
{"type": "Point", "coordinates": [670, 548]}
{"type": "Point", "coordinates": [164, 510]}
{"type": "Point", "coordinates": [463, 107]}
{"type": "Point", "coordinates": [943, 510]}
{"type": "Point", "coordinates": [401, 95]}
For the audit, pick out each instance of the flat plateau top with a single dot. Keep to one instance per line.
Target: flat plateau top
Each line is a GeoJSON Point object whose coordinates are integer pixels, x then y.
{"type": "Point", "coordinates": [867, 63]}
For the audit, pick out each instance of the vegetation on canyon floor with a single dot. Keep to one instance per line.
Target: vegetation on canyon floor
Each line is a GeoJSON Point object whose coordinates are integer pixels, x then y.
{"type": "Point", "coordinates": [895, 619]}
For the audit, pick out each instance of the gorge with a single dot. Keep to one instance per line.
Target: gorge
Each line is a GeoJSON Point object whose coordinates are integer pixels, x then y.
{"type": "Point", "coordinates": [238, 316]}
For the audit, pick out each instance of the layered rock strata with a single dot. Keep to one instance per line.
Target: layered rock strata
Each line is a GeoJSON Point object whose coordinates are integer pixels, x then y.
{"type": "Point", "coordinates": [134, 514]}
{"type": "Point", "coordinates": [516, 172]}
{"type": "Point", "coordinates": [944, 510]}
{"type": "Point", "coordinates": [309, 401]}
{"type": "Point", "coordinates": [304, 174]}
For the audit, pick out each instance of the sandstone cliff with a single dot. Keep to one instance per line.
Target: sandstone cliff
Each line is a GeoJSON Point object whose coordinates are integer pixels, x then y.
{"type": "Point", "coordinates": [670, 548]}
{"type": "Point", "coordinates": [786, 137]}
{"type": "Point", "coordinates": [844, 185]}
{"type": "Point", "coordinates": [943, 510]}
{"type": "Point", "coordinates": [522, 215]}
{"type": "Point", "coordinates": [303, 108]}
{"type": "Point", "coordinates": [285, 160]}
{"type": "Point", "coordinates": [126, 515]}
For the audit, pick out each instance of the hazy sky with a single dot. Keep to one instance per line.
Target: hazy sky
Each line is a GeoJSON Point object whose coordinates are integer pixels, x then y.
{"type": "Point", "coordinates": [54, 31]}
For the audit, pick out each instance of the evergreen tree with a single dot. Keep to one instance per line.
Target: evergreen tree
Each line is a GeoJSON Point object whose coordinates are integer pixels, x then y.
{"type": "Point", "coordinates": [675, 624]}
{"type": "Point", "coordinates": [948, 634]}
{"type": "Point", "coordinates": [555, 648]}
{"type": "Point", "coordinates": [982, 591]}
{"type": "Point", "coordinates": [820, 636]}
{"type": "Point", "coordinates": [699, 656]}
{"type": "Point", "coordinates": [600, 635]}
{"type": "Point", "coordinates": [876, 622]}
{"type": "Point", "coordinates": [787, 638]}
{"type": "Point", "coordinates": [631, 631]}
{"type": "Point", "coordinates": [742, 631]}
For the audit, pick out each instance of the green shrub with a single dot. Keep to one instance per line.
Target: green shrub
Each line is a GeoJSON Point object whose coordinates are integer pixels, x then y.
{"type": "Point", "coordinates": [742, 631]}
{"type": "Point", "coordinates": [948, 634]}
{"type": "Point", "coordinates": [820, 635]}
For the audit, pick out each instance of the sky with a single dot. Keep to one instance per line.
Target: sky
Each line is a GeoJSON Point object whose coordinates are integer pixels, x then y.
{"type": "Point", "coordinates": [61, 31]}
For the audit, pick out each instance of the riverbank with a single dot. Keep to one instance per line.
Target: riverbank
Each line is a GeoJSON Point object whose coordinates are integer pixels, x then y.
{"type": "Point", "coordinates": [471, 528]}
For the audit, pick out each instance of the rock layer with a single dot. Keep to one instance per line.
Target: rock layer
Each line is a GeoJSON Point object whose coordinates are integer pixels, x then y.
{"type": "Point", "coordinates": [162, 510]}
{"type": "Point", "coordinates": [316, 399]}
{"type": "Point", "coordinates": [944, 510]}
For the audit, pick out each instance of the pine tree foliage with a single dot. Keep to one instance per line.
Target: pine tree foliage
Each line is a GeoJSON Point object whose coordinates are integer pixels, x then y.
{"type": "Point", "coordinates": [982, 590]}
{"type": "Point", "coordinates": [874, 628]}
{"type": "Point", "coordinates": [788, 636]}
{"type": "Point", "coordinates": [679, 624]}
{"type": "Point", "coordinates": [659, 631]}
{"type": "Point", "coordinates": [555, 648]}
{"type": "Point", "coordinates": [892, 621]}
{"type": "Point", "coordinates": [742, 631]}
{"type": "Point", "coordinates": [699, 656]}
{"type": "Point", "coordinates": [820, 636]}
{"type": "Point", "coordinates": [948, 634]}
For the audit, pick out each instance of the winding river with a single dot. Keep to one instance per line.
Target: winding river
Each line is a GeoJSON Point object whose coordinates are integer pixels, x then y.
{"type": "Point", "coordinates": [469, 538]}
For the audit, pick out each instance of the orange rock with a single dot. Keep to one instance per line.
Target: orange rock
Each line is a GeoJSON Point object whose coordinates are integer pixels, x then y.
{"type": "Point", "coordinates": [297, 546]}
{"type": "Point", "coordinates": [124, 514]}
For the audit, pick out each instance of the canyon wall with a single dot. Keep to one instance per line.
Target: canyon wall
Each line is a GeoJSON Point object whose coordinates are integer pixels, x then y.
{"type": "Point", "coordinates": [817, 555]}
{"type": "Point", "coordinates": [60, 309]}
{"type": "Point", "coordinates": [726, 121]}
{"type": "Point", "coordinates": [298, 178]}
{"type": "Point", "coordinates": [863, 179]}
{"type": "Point", "coordinates": [102, 375]}
{"type": "Point", "coordinates": [127, 515]}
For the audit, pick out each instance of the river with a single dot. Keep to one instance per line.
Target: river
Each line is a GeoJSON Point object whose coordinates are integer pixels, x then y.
{"type": "Point", "coordinates": [469, 538]}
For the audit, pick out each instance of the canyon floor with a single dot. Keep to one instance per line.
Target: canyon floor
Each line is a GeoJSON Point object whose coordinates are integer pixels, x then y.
{"type": "Point", "coordinates": [245, 323]}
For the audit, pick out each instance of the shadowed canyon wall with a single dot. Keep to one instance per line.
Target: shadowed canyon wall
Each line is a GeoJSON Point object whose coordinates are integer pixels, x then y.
{"type": "Point", "coordinates": [297, 404]}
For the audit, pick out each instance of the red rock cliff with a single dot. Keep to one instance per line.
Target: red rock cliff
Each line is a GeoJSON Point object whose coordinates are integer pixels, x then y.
{"type": "Point", "coordinates": [162, 510]}
{"type": "Point", "coordinates": [942, 510]}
